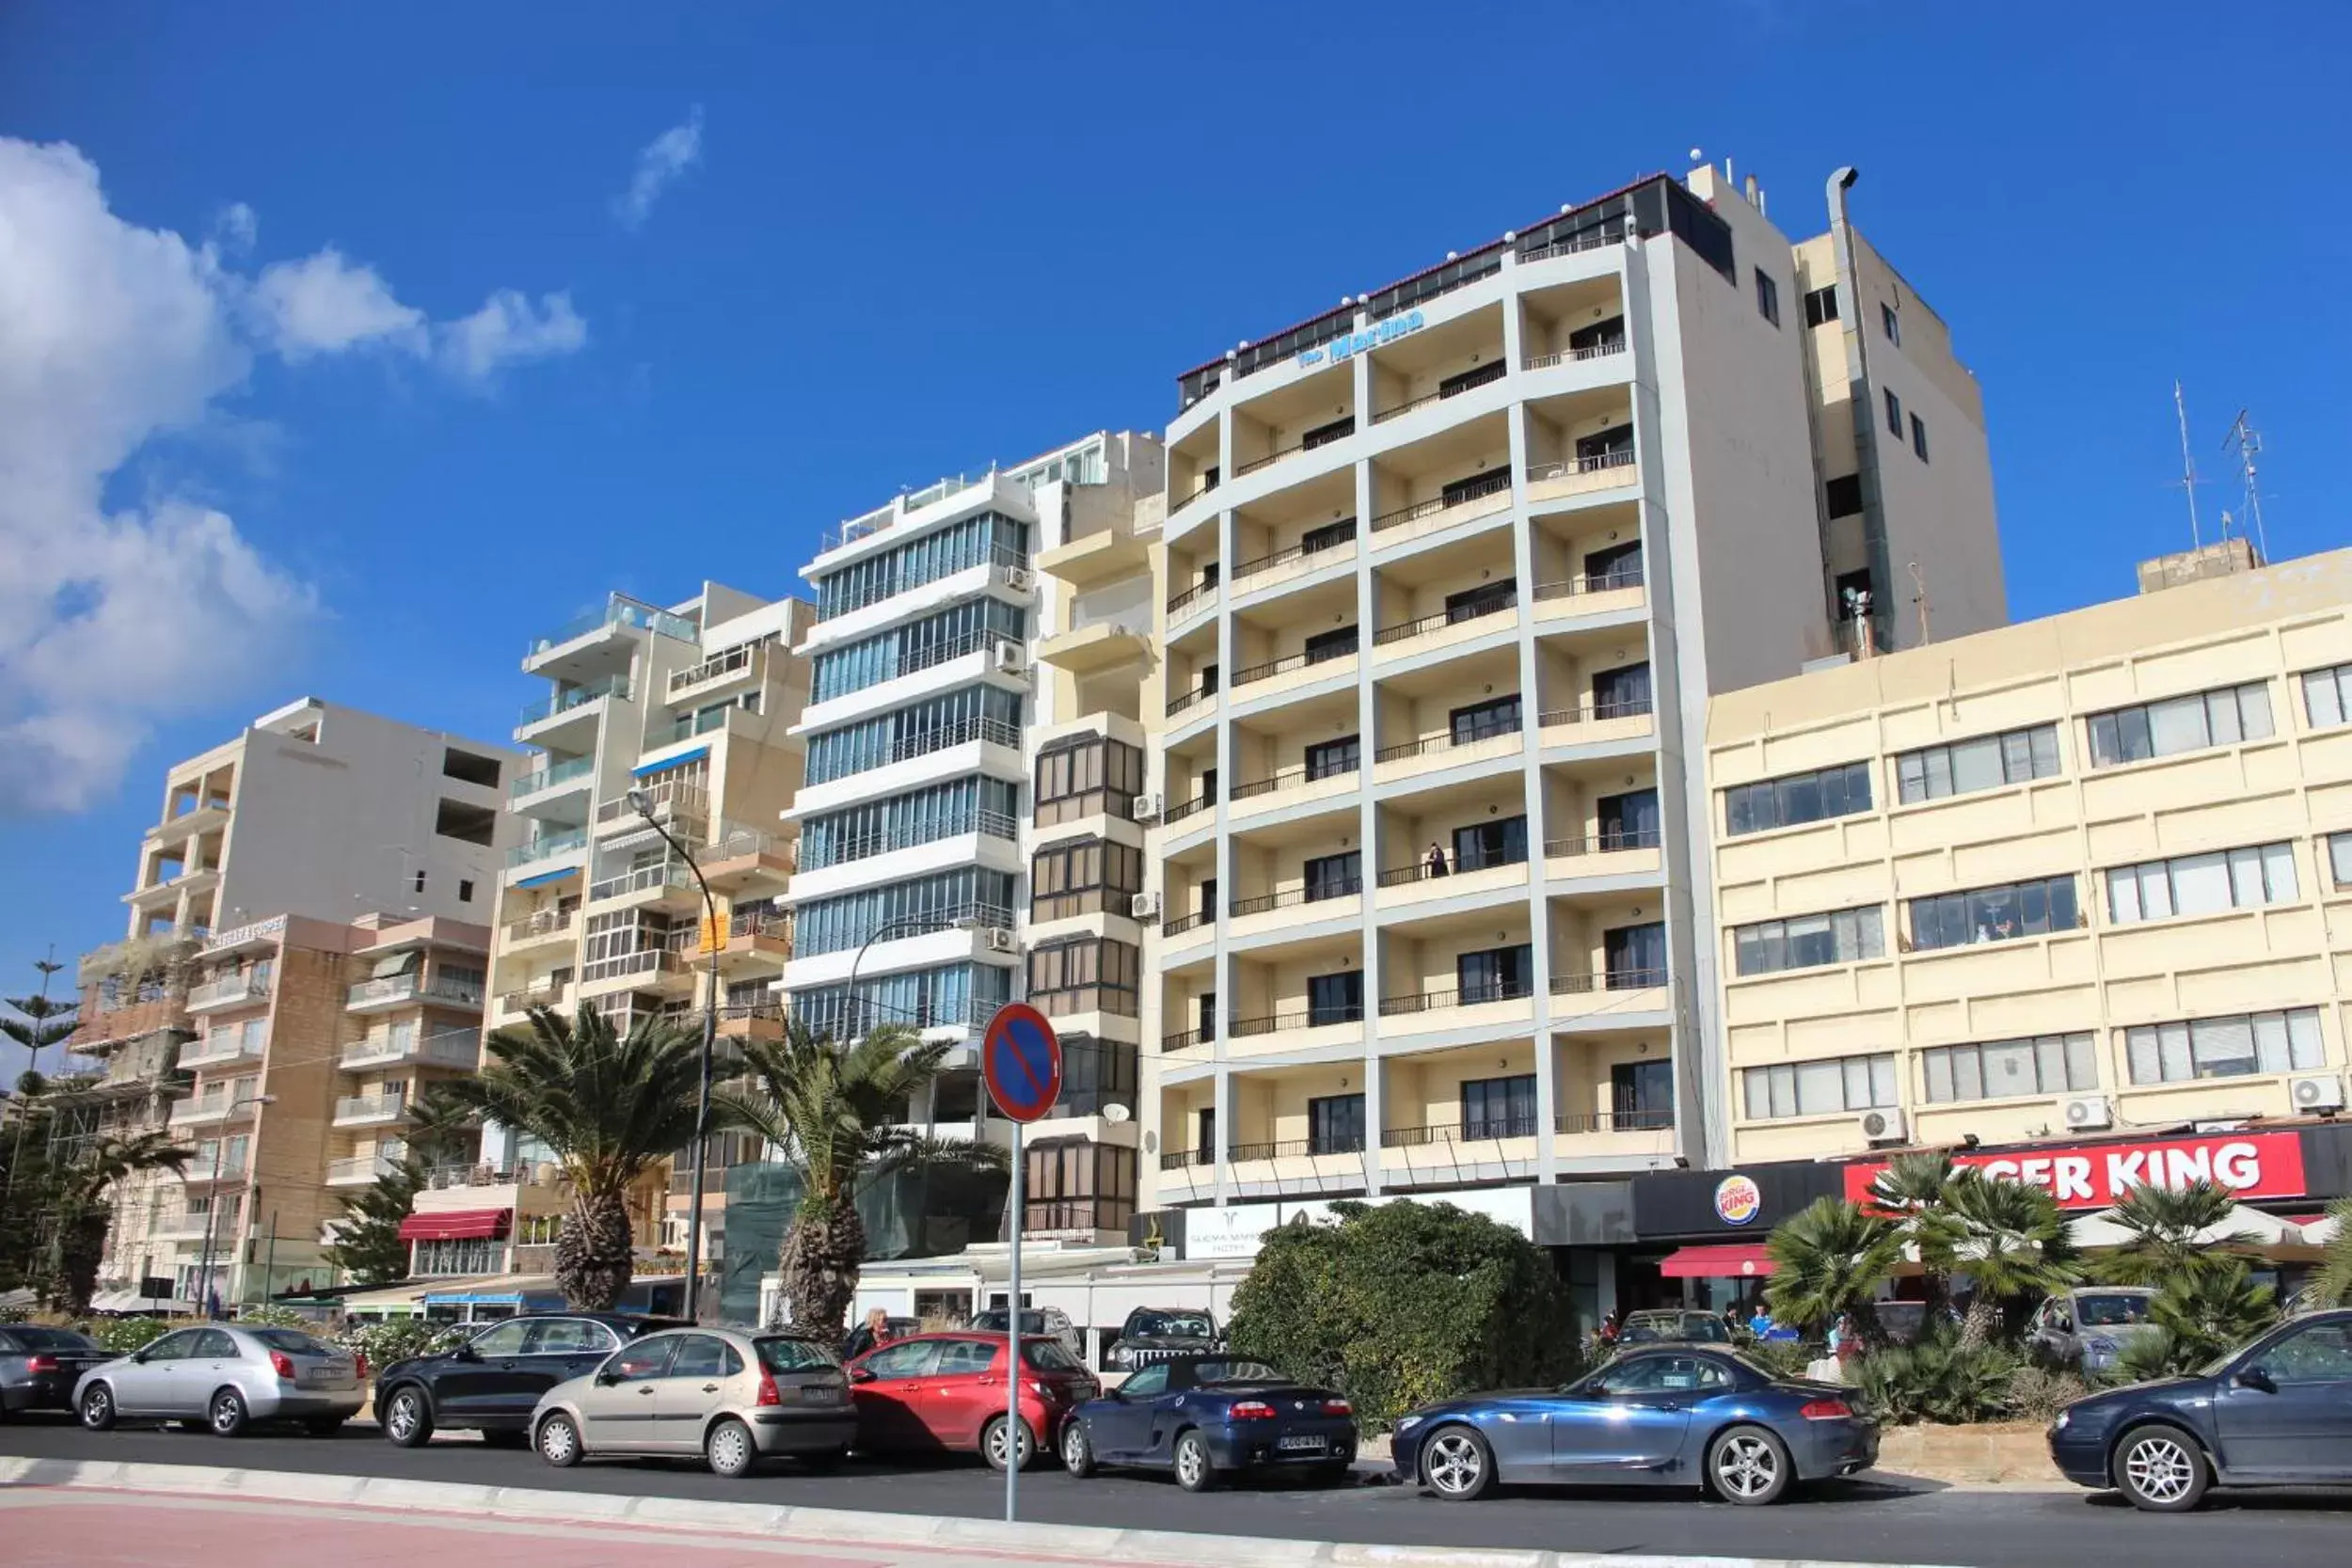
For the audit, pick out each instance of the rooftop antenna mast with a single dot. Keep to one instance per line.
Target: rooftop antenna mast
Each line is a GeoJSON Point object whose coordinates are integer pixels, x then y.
{"type": "Point", "coordinates": [2188, 464]}
{"type": "Point", "coordinates": [2248, 442]}
{"type": "Point", "coordinates": [1919, 598]}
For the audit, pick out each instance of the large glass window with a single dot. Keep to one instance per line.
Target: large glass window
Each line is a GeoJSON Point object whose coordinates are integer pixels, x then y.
{"type": "Point", "coordinates": [1335, 1124]}
{"type": "Point", "coordinates": [1823, 1088]}
{"type": "Point", "coordinates": [1482, 844]}
{"type": "Point", "coordinates": [1083, 976]}
{"type": "Point", "coordinates": [2201, 884]}
{"type": "Point", "coordinates": [954, 994]}
{"type": "Point", "coordinates": [1996, 1070]}
{"type": "Point", "coordinates": [1327, 759]}
{"type": "Point", "coordinates": [1095, 1074]}
{"type": "Point", "coordinates": [902, 821]}
{"type": "Point", "coordinates": [1985, 762]}
{"type": "Point", "coordinates": [961, 629]}
{"type": "Point", "coordinates": [1485, 721]}
{"type": "Point", "coordinates": [895, 910]}
{"type": "Point", "coordinates": [1800, 941]}
{"type": "Point", "coordinates": [1796, 798]}
{"type": "Point", "coordinates": [1083, 876]}
{"type": "Point", "coordinates": [1499, 1107]}
{"type": "Point", "coordinates": [2328, 696]}
{"type": "Point", "coordinates": [951, 718]}
{"type": "Point", "coordinates": [1494, 974]}
{"type": "Point", "coordinates": [1337, 876]}
{"type": "Point", "coordinates": [2222, 717]}
{"type": "Point", "coordinates": [1641, 1097]}
{"type": "Point", "coordinates": [2340, 858]}
{"type": "Point", "coordinates": [1635, 956]}
{"type": "Point", "coordinates": [1075, 1184]}
{"type": "Point", "coordinates": [987, 539]}
{"type": "Point", "coordinates": [1993, 914]}
{"type": "Point", "coordinates": [2237, 1046]}
{"type": "Point", "coordinates": [1623, 692]}
{"type": "Point", "coordinates": [1335, 998]}
{"type": "Point", "coordinates": [1085, 777]}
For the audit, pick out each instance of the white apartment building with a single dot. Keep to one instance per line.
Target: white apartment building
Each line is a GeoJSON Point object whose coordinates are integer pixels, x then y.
{"type": "Point", "coordinates": [1449, 573]}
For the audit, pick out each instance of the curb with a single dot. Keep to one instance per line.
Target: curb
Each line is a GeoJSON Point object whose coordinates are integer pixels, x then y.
{"type": "Point", "coordinates": [830, 1526]}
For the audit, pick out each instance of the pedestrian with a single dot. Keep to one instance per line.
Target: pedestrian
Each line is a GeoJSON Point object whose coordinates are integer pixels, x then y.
{"type": "Point", "coordinates": [1761, 1324]}
{"type": "Point", "coordinates": [1610, 1326]}
{"type": "Point", "coordinates": [874, 1331]}
{"type": "Point", "coordinates": [1435, 865]}
{"type": "Point", "coordinates": [1731, 1320]}
{"type": "Point", "coordinates": [1840, 1335]}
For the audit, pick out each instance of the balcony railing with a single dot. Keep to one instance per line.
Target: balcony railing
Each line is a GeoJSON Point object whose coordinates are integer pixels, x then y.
{"type": "Point", "coordinates": [1182, 809]}
{"type": "Point", "coordinates": [1604, 844]}
{"type": "Point", "coordinates": [1592, 713]}
{"type": "Point", "coordinates": [548, 845]}
{"type": "Point", "coordinates": [890, 584]}
{"type": "Point", "coordinates": [1293, 778]}
{"type": "Point", "coordinates": [1467, 736]}
{"type": "Point", "coordinates": [1192, 595]}
{"type": "Point", "coordinates": [643, 880]}
{"type": "Point", "coordinates": [532, 996]}
{"type": "Point", "coordinates": [1177, 503]}
{"type": "Point", "coordinates": [1474, 611]}
{"type": "Point", "coordinates": [660, 960]}
{"type": "Point", "coordinates": [1313, 1018]}
{"type": "Point", "coordinates": [1296, 1148]}
{"type": "Point", "coordinates": [1625, 575]}
{"type": "Point", "coordinates": [727, 663]}
{"type": "Point", "coordinates": [960, 732]}
{"type": "Point", "coordinates": [1485, 375]}
{"type": "Point", "coordinates": [359, 1170]}
{"type": "Point", "coordinates": [1179, 1159]}
{"type": "Point", "coordinates": [1596, 462]}
{"type": "Point", "coordinates": [1427, 871]}
{"type": "Point", "coordinates": [1338, 887]}
{"type": "Point", "coordinates": [1490, 1130]}
{"type": "Point", "coordinates": [1474, 490]}
{"type": "Point", "coordinates": [1607, 233]}
{"type": "Point", "coordinates": [447, 1177]}
{"type": "Point", "coordinates": [1615, 1121]}
{"type": "Point", "coordinates": [1183, 700]}
{"type": "Point", "coordinates": [686, 727]}
{"type": "Point", "coordinates": [548, 778]}
{"type": "Point", "coordinates": [249, 986]}
{"type": "Point", "coordinates": [1601, 350]}
{"type": "Point", "coordinates": [405, 987]}
{"type": "Point", "coordinates": [219, 1049]}
{"type": "Point", "coordinates": [675, 805]}
{"type": "Point", "coordinates": [572, 697]}
{"type": "Point", "coordinates": [212, 1107]}
{"type": "Point", "coordinates": [1608, 979]}
{"type": "Point", "coordinates": [1329, 538]}
{"type": "Point", "coordinates": [459, 1048]}
{"type": "Point", "coordinates": [544, 923]}
{"type": "Point", "coordinates": [617, 612]}
{"type": "Point", "coordinates": [1189, 1039]}
{"type": "Point", "coordinates": [1339, 430]}
{"type": "Point", "coordinates": [1468, 996]}
{"type": "Point", "coordinates": [841, 851]}
{"type": "Point", "coordinates": [744, 925]}
{"type": "Point", "coordinates": [371, 1107]}
{"type": "Point", "coordinates": [1183, 923]}
{"type": "Point", "coordinates": [1249, 675]}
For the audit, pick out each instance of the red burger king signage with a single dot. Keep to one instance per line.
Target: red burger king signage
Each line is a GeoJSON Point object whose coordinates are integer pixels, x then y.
{"type": "Point", "coordinates": [2094, 1175]}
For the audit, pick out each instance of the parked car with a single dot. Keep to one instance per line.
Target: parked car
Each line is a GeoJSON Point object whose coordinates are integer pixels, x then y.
{"type": "Point", "coordinates": [492, 1383]}
{"type": "Point", "coordinates": [946, 1393]}
{"type": "Point", "coordinates": [40, 1365]}
{"type": "Point", "coordinates": [1037, 1320]}
{"type": "Point", "coordinates": [1669, 1327]}
{"type": "Point", "coordinates": [1154, 1333]}
{"type": "Point", "coordinates": [1206, 1415]}
{"type": "Point", "coordinates": [2275, 1412]}
{"type": "Point", "coordinates": [733, 1398]}
{"type": "Point", "coordinates": [2088, 1328]}
{"type": "Point", "coordinates": [1684, 1416]}
{"type": "Point", "coordinates": [227, 1377]}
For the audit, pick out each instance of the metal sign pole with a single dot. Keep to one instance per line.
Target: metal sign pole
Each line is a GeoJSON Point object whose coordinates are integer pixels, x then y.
{"type": "Point", "coordinates": [1012, 1339]}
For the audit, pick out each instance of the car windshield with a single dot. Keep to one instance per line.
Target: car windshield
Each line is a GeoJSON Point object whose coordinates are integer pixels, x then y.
{"type": "Point", "coordinates": [1171, 1325]}
{"type": "Point", "coordinates": [782, 1353]}
{"type": "Point", "coordinates": [2110, 1310]}
{"type": "Point", "coordinates": [1048, 1355]}
{"type": "Point", "coordinates": [291, 1340]}
{"type": "Point", "coordinates": [41, 1336]}
{"type": "Point", "coordinates": [1235, 1372]}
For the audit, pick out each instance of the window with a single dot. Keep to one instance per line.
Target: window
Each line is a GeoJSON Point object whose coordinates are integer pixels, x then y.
{"type": "Point", "coordinates": [966, 1357]}
{"type": "Point", "coordinates": [1204, 1147]}
{"type": "Point", "coordinates": [1627, 821]}
{"type": "Point", "coordinates": [1487, 598]}
{"type": "Point", "coordinates": [2320, 1354]}
{"type": "Point", "coordinates": [1999, 913]}
{"type": "Point", "coordinates": [942, 552]}
{"type": "Point", "coordinates": [1077, 1185]}
{"type": "Point", "coordinates": [1919, 437]}
{"type": "Point", "coordinates": [1316, 539]}
{"type": "Point", "coordinates": [1894, 414]}
{"type": "Point", "coordinates": [1150, 1382]}
{"type": "Point", "coordinates": [1612, 566]}
{"type": "Point", "coordinates": [1484, 844]}
{"type": "Point", "coordinates": [1334, 876]}
{"type": "Point", "coordinates": [1601, 447]}
{"type": "Point", "coordinates": [1331, 758]}
{"type": "Point", "coordinates": [1095, 1074]}
{"type": "Point", "coordinates": [1892, 324]}
{"type": "Point", "coordinates": [1997, 1069]}
{"type": "Point", "coordinates": [900, 910]}
{"type": "Point", "coordinates": [570, 1336]}
{"type": "Point", "coordinates": [1500, 1107]}
{"type": "Point", "coordinates": [1076, 876]}
{"type": "Point", "coordinates": [419, 881]}
{"type": "Point", "coordinates": [1986, 762]}
{"type": "Point", "coordinates": [1663, 1374]}
{"type": "Point", "coordinates": [1796, 798]}
{"type": "Point", "coordinates": [1842, 496]}
{"type": "Point", "coordinates": [2234, 1047]}
{"type": "Point", "coordinates": [1495, 975]}
{"type": "Point", "coordinates": [1324, 434]}
{"type": "Point", "coordinates": [2222, 717]}
{"type": "Point", "coordinates": [1601, 337]}
{"type": "Point", "coordinates": [2340, 858]}
{"type": "Point", "coordinates": [1485, 721]}
{"type": "Point", "coordinates": [1084, 976]}
{"type": "Point", "coordinates": [1474, 485]}
{"type": "Point", "coordinates": [2328, 696]}
{"type": "Point", "coordinates": [699, 1356]}
{"type": "Point", "coordinates": [1634, 957]}
{"type": "Point", "coordinates": [1823, 1088]}
{"type": "Point", "coordinates": [1478, 375]}
{"type": "Point", "coordinates": [1335, 1124]}
{"type": "Point", "coordinates": [1622, 692]}
{"type": "Point", "coordinates": [1800, 941]}
{"type": "Point", "coordinates": [1335, 998]}
{"type": "Point", "coordinates": [951, 718]}
{"type": "Point", "coordinates": [2201, 884]}
{"type": "Point", "coordinates": [1324, 646]}
{"type": "Point", "coordinates": [1642, 1096]}
{"type": "Point", "coordinates": [441, 1260]}
{"type": "Point", "coordinates": [1085, 777]}
{"type": "Point", "coordinates": [465, 890]}
{"type": "Point", "coordinates": [1767, 298]}
{"type": "Point", "coordinates": [909, 1358]}
{"type": "Point", "coordinates": [920, 816]}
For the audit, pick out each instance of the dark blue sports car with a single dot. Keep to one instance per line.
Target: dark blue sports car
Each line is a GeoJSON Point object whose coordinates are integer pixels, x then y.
{"type": "Point", "coordinates": [1207, 1415]}
{"type": "Point", "coordinates": [1672, 1416]}
{"type": "Point", "coordinates": [2277, 1411]}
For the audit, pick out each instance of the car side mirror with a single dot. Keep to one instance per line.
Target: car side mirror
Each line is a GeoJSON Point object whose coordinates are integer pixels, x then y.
{"type": "Point", "coordinates": [860, 1374]}
{"type": "Point", "coordinates": [465, 1353]}
{"type": "Point", "coordinates": [139, 1356]}
{"type": "Point", "coordinates": [2063, 1324]}
{"type": "Point", "coordinates": [2257, 1379]}
{"type": "Point", "coordinates": [604, 1379]}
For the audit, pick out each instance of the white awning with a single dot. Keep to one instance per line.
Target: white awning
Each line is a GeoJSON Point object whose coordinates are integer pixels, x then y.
{"type": "Point", "coordinates": [2248, 1226]}
{"type": "Point", "coordinates": [131, 1301]}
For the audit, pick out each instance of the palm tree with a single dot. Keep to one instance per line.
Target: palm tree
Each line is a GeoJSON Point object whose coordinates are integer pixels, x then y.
{"type": "Point", "coordinates": [2009, 1239]}
{"type": "Point", "coordinates": [2198, 1314]}
{"type": "Point", "coordinates": [81, 1199]}
{"type": "Point", "coordinates": [610, 1107]}
{"type": "Point", "coordinates": [832, 1112]}
{"type": "Point", "coordinates": [1829, 1261]}
{"type": "Point", "coordinates": [2168, 1224]}
{"type": "Point", "coordinates": [1913, 1191]}
{"type": "Point", "coordinates": [2330, 1284]}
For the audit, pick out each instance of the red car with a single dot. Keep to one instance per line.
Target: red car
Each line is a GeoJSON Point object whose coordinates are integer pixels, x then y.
{"type": "Point", "coordinates": [946, 1392]}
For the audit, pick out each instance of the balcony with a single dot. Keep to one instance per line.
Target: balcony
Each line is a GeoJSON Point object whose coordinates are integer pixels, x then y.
{"type": "Point", "coordinates": [616, 614]}
{"type": "Point", "coordinates": [571, 699]}
{"type": "Point", "coordinates": [359, 1171]}
{"type": "Point", "coordinates": [686, 727]}
{"type": "Point", "coordinates": [1467, 743]}
{"type": "Point", "coordinates": [1616, 853]}
{"type": "Point", "coordinates": [230, 991]}
{"type": "Point", "coordinates": [718, 667]}
{"type": "Point", "coordinates": [1329, 544]}
{"type": "Point", "coordinates": [219, 1049]}
{"type": "Point", "coordinates": [1580, 476]}
{"type": "Point", "coordinates": [1403, 886]}
{"type": "Point", "coordinates": [682, 808]}
{"type": "Point", "coordinates": [1324, 662]}
{"type": "Point", "coordinates": [547, 846]}
{"type": "Point", "coordinates": [756, 931]}
{"type": "Point", "coordinates": [195, 1224]}
{"type": "Point", "coordinates": [1620, 588]}
{"type": "Point", "coordinates": [1591, 722]}
{"type": "Point", "coordinates": [201, 1172]}
{"type": "Point", "coordinates": [1292, 786]}
{"type": "Point", "coordinates": [1300, 1028]}
{"type": "Point", "coordinates": [751, 1020]}
{"type": "Point", "coordinates": [846, 851]}
{"type": "Point", "coordinates": [1336, 900]}
{"type": "Point", "coordinates": [1446, 626]}
{"type": "Point", "coordinates": [541, 926]}
{"type": "Point", "coordinates": [575, 773]}
{"type": "Point", "coordinates": [539, 995]}
{"type": "Point", "coordinates": [1200, 597]}
{"type": "Point", "coordinates": [632, 966]}
{"type": "Point", "coordinates": [210, 1109]}
{"type": "Point", "coordinates": [452, 1047]}
{"type": "Point", "coordinates": [1457, 503]}
{"type": "Point", "coordinates": [370, 1110]}
{"type": "Point", "coordinates": [395, 991]}
{"type": "Point", "coordinates": [1609, 995]}
{"type": "Point", "coordinates": [674, 880]}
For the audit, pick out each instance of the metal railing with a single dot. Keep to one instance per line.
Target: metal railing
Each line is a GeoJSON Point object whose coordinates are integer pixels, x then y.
{"type": "Point", "coordinates": [1587, 239]}
{"type": "Point", "coordinates": [548, 778]}
{"type": "Point", "coordinates": [617, 612]}
{"type": "Point", "coordinates": [548, 845]}
{"type": "Point", "coordinates": [1193, 594]}
{"type": "Point", "coordinates": [1338, 887]}
{"type": "Point", "coordinates": [532, 996]}
{"type": "Point", "coordinates": [1313, 1018]}
{"type": "Point", "coordinates": [1589, 713]}
{"type": "Point", "coordinates": [486, 1174]}
{"type": "Point", "coordinates": [248, 986]}
{"type": "Point", "coordinates": [572, 697]}
{"type": "Point", "coordinates": [1182, 809]}
{"type": "Point", "coordinates": [643, 880]}
{"type": "Point", "coordinates": [1249, 675]}
{"type": "Point", "coordinates": [545, 923]}
{"type": "Point", "coordinates": [686, 727]}
{"type": "Point", "coordinates": [1300, 551]}
{"type": "Point", "coordinates": [1183, 700]}
{"type": "Point", "coordinates": [1183, 923]}
{"type": "Point", "coordinates": [1601, 350]}
{"type": "Point", "coordinates": [1596, 463]}
{"type": "Point", "coordinates": [971, 915]}
{"type": "Point", "coordinates": [1474, 490]}
{"type": "Point", "coordinates": [1178, 505]}
{"type": "Point", "coordinates": [1422, 871]}
{"type": "Point", "coordinates": [745, 924]}
{"type": "Point", "coordinates": [995, 824]}
{"type": "Point", "coordinates": [1492, 1129]}
{"type": "Point", "coordinates": [889, 585]}
{"type": "Point", "coordinates": [1608, 979]}
{"type": "Point", "coordinates": [1625, 575]}
{"type": "Point", "coordinates": [216, 1049]}
{"type": "Point", "coordinates": [1478, 611]}
{"type": "Point", "coordinates": [1472, 996]}
{"type": "Point", "coordinates": [1485, 376]}
{"type": "Point", "coordinates": [1605, 844]}
{"type": "Point", "coordinates": [1179, 1159]}
{"type": "Point", "coordinates": [1493, 730]}
{"type": "Point", "coordinates": [1613, 1121]}
{"type": "Point", "coordinates": [1189, 1039]}
{"type": "Point", "coordinates": [726, 664]}
{"type": "Point", "coordinates": [1294, 1149]}
{"type": "Point", "coordinates": [1337, 430]}
{"type": "Point", "coordinates": [683, 800]}
{"type": "Point", "coordinates": [405, 987]}
{"type": "Point", "coordinates": [365, 1168]}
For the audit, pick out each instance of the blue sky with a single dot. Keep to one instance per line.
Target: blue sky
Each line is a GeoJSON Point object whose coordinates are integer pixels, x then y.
{"type": "Point", "coordinates": [455, 392]}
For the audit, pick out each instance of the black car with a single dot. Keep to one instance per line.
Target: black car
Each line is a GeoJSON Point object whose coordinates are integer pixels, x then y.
{"type": "Point", "coordinates": [493, 1381]}
{"type": "Point", "coordinates": [40, 1365]}
{"type": "Point", "coordinates": [2277, 1411]}
{"type": "Point", "coordinates": [1156, 1333]}
{"type": "Point", "coordinates": [1203, 1417]}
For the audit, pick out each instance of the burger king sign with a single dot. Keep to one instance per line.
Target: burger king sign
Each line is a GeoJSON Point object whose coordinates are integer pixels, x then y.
{"type": "Point", "coordinates": [1737, 1199]}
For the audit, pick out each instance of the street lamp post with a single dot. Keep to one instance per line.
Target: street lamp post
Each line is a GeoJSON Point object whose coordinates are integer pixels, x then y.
{"type": "Point", "coordinates": [212, 1211]}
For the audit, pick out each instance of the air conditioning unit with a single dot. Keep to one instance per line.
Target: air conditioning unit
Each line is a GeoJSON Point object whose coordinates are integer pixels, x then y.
{"type": "Point", "coordinates": [1144, 906]}
{"type": "Point", "coordinates": [998, 939]}
{"type": "Point", "coordinates": [1147, 807]}
{"type": "Point", "coordinates": [1018, 578]}
{"type": "Point", "coordinates": [2086, 1112]}
{"type": "Point", "coordinates": [1011, 657]}
{"type": "Point", "coordinates": [2317, 1092]}
{"type": "Point", "coordinates": [1885, 1126]}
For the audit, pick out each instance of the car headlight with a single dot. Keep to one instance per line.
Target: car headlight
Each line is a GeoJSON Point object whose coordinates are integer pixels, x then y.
{"type": "Point", "coordinates": [1406, 1423]}
{"type": "Point", "coordinates": [2063, 1418]}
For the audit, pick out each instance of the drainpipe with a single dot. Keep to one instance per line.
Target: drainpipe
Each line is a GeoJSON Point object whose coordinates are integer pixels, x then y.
{"type": "Point", "coordinates": [1865, 404]}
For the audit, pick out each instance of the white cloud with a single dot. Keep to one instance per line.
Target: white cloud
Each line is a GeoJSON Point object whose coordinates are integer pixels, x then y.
{"type": "Point", "coordinates": [659, 162]}
{"type": "Point", "coordinates": [505, 330]}
{"type": "Point", "coordinates": [237, 227]}
{"type": "Point", "coordinates": [116, 619]}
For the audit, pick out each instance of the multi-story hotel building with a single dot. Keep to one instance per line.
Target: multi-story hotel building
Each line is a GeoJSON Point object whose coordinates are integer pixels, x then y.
{"type": "Point", "coordinates": [319, 813]}
{"type": "Point", "coordinates": [930, 886]}
{"type": "Point", "coordinates": [1449, 573]}
{"type": "Point", "coordinates": [2069, 879]}
{"type": "Point", "coordinates": [690, 712]}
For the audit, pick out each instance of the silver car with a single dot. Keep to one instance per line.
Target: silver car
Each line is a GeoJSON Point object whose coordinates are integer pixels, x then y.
{"type": "Point", "coordinates": [227, 1378]}
{"type": "Point", "coordinates": [2091, 1325]}
{"type": "Point", "coordinates": [733, 1398]}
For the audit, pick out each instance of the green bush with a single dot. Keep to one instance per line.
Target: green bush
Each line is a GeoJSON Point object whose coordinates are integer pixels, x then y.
{"type": "Point", "coordinates": [1399, 1303]}
{"type": "Point", "coordinates": [1937, 1380]}
{"type": "Point", "coordinates": [1783, 1357]}
{"type": "Point", "coordinates": [2039, 1393]}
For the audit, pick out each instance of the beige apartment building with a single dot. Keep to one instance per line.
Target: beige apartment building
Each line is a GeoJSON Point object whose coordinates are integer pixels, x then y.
{"type": "Point", "coordinates": [2080, 877]}
{"type": "Point", "coordinates": [1447, 575]}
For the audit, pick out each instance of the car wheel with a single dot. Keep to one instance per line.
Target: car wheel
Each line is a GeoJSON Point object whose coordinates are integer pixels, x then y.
{"type": "Point", "coordinates": [729, 1449]}
{"type": "Point", "coordinates": [1456, 1464]}
{"type": "Point", "coordinates": [324, 1426]}
{"type": "Point", "coordinates": [1194, 1471]}
{"type": "Point", "coordinates": [993, 1445]}
{"type": "Point", "coordinates": [226, 1416]}
{"type": "Point", "coordinates": [1077, 1451]}
{"type": "Point", "coordinates": [2161, 1469]}
{"type": "Point", "coordinates": [97, 1407]}
{"type": "Point", "coordinates": [1748, 1465]}
{"type": "Point", "coordinates": [559, 1441]}
{"type": "Point", "coordinates": [408, 1419]}
{"type": "Point", "coordinates": [823, 1460]}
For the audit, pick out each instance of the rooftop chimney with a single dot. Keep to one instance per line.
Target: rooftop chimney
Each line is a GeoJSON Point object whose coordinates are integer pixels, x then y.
{"type": "Point", "coordinates": [2219, 560]}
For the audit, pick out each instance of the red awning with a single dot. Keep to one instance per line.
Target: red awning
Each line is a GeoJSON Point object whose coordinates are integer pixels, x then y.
{"type": "Point", "coordinates": [1739, 1260]}
{"type": "Point", "coordinates": [459, 1224]}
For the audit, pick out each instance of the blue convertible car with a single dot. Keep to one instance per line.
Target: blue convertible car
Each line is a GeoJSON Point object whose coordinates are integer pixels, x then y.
{"type": "Point", "coordinates": [1678, 1417]}
{"type": "Point", "coordinates": [1201, 1415]}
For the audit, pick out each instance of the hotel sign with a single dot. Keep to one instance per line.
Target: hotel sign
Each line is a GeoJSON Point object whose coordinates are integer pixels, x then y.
{"type": "Point", "coordinates": [1355, 344]}
{"type": "Point", "coordinates": [2248, 1165]}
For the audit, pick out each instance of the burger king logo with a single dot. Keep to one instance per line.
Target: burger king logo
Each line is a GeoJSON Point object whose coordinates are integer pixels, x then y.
{"type": "Point", "coordinates": [1737, 1201]}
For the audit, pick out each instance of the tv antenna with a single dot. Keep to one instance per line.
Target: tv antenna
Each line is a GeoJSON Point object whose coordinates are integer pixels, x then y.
{"type": "Point", "coordinates": [1919, 598]}
{"type": "Point", "coordinates": [2188, 464]}
{"type": "Point", "coordinates": [2248, 442]}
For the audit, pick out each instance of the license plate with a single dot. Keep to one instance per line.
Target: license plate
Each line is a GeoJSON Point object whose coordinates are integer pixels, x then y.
{"type": "Point", "coordinates": [1302, 1444]}
{"type": "Point", "coordinates": [819, 1395]}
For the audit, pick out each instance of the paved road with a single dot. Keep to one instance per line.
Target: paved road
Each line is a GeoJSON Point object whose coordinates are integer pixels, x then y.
{"type": "Point", "coordinates": [1849, 1522]}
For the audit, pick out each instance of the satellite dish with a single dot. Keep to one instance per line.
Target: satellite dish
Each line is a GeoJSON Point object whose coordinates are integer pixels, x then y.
{"type": "Point", "coordinates": [1115, 1113]}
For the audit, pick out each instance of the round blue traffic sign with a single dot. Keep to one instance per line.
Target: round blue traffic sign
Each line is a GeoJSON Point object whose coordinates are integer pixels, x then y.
{"type": "Point", "coordinates": [1021, 1059]}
